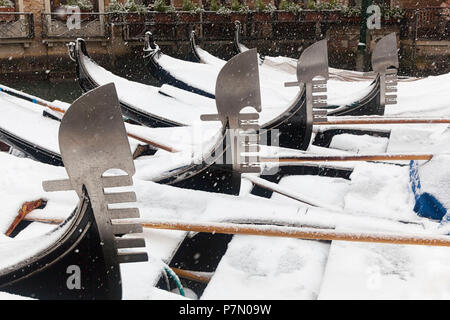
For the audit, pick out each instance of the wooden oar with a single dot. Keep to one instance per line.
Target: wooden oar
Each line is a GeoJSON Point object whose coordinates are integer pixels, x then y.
{"type": "Point", "coordinates": [291, 232]}
{"type": "Point", "coordinates": [295, 196]}
{"type": "Point", "coordinates": [345, 158]}
{"type": "Point", "coordinates": [62, 111]}
{"type": "Point", "coordinates": [305, 233]}
{"type": "Point", "coordinates": [203, 277]}
{"type": "Point", "coordinates": [355, 121]}
{"type": "Point", "coordinates": [31, 99]}
{"type": "Point", "coordinates": [25, 209]}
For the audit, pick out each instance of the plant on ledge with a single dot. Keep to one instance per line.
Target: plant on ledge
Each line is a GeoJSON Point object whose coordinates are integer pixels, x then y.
{"type": "Point", "coordinates": [241, 8]}
{"type": "Point", "coordinates": [331, 5]}
{"type": "Point", "coordinates": [131, 6]}
{"type": "Point", "coordinates": [260, 6]}
{"type": "Point", "coordinates": [84, 5]}
{"type": "Point", "coordinates": [214, 6]}
{"type": "Point", "coordinates": [394, 13]}
{"type": "Point", "coordinates": [224, 10]}
{"type": "Point", "coordinates": [6, 4]}
{"type": "Point", "coordinates": [115, 6]}
{"type": "Point", "coordinates": [292, 7]}
{"type": "Point", "coordinates": [191, 7]}
{"type": "Point", "coordinates": [351, 12]}
{"type": "Point", "coordinates": [160, 6]}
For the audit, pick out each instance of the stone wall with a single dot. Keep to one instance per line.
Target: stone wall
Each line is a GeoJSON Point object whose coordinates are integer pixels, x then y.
{"type": "Point", "coordinates": [48, 57]}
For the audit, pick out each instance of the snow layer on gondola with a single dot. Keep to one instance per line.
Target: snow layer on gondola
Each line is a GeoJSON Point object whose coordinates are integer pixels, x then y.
{"type": "Point", "coordinates": [164, 202]}
{"type": "Point", "coordinates": [181, 106]}
{"type": "Point", "coordinates": [203, 76]}
{"type": "Point", "coordinates": [21, 181]}
{"type": "Point", "coordinates": [429, 96]}
{"type": "Point", "coordinates": [381, 271]}
{"type": "Point", "coordinates": [43, 131]}
{"type": "Point", "coordinates": [20, 119]}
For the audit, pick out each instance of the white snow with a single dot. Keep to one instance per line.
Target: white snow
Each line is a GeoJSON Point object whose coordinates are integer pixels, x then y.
{"type": "Point", "coordinates": [376, 198]}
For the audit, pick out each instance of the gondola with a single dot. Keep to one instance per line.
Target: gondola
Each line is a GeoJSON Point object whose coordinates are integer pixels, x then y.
{"type": "Point", "coordinates": [373, 103]}
{"type": "Point", "coordinates": [80, 258]}
{"type": "Point", "coordinates": [289, 65]}
{"type": "Point", "coordinates": [204, 176]}
{"type": "Point", "coordinates": [211, 172]}
{"type": "Point", "coordinates": [290, 123]}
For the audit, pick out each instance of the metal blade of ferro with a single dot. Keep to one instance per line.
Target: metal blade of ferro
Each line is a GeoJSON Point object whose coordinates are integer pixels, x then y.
{"type": "Point", "coordinates": [313, 73]}
{"type": "Point", "coordinates": [385, 63]}
{"type": "Point", "coordinates": [238, 87]}
{"type": "Point", "coordinates": [93, 140]}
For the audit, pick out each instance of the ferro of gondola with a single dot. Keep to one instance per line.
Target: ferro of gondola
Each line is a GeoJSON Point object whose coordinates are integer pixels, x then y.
{"type": "Point", "coordinates": [88, 240]}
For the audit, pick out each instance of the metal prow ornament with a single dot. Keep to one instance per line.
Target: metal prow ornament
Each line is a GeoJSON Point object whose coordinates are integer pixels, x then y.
{"type": "Point", "coordinates": [238, 87]}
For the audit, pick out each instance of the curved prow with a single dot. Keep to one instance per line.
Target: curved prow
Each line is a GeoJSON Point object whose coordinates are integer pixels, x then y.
{"type": "Point", "coordinates": [77, 47]}
{"type": "Point", "coordinates": [384, 55]}
{"type": "Point", "coordinates": [238, 47]}
{"type": "Point", "coordinates": [85, 126]}
{"type": "Point", "coordinates": [313, 62]}
{"type": "Point", "coordinates": [193, 54]}
{"type": "Point", "coordinates": [87, 129]}
{"type": "Point", "coordinates": [150, 46]}
{"type": "Point", "coordinates": [385, 64]}
{"type": "Point", "coordinates": [313, 74]}
{"type": "Point", "coordinates": [86, 246]}
{"type": "Point", "coordinates": [238, 87]}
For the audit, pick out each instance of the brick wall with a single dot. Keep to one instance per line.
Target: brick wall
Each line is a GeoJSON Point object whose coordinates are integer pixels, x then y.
{"type": "Point", "coordinates": [419, 3]}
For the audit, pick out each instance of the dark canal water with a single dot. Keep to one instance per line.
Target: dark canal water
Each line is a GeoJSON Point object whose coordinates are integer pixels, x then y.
{"type": "Point", "coordinates": [65, 87]}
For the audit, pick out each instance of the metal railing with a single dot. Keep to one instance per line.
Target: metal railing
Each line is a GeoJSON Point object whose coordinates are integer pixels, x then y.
{"type": "Point", "coordinates": [212, 26]}
{"type": "Point", "coordinates": [16, 26]}
{"type": "Point", "coordinates": [91, 25]}
{"type": "Point", "coordinates": [428, 23]}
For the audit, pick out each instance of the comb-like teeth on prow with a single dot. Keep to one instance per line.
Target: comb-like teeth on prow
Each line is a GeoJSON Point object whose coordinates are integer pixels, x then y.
{"type": "Point", "coordinates": [127, 257]}
{"type": "Point", "coordinates": [251, 148]}
{"type": "Point", "coordinates": [319, 86]}
{"type": "Point", "coordinates": [123, 243]}
{"type": "Point", "coordinates": [248, 116]}
{"type": "Point", "coordinates": [391, 100]}
{"type": "Point", "coordinates": [126, 228]}
{"type": "Point", "coordinates": [125, 213]}
{"type": "Point", "coordinates": [57, 185]}
{"type": "Point", "coordinates": [318, 104]}
{"type": "Point", "coordinates": [120, 197]}
{"type": "Point", "coordinates": [116, 181]}
{"type": "Point", "coordinates": [320, 115]}
{"type": "Point", "coordinates": [390, 89]}
{"type": "Point", "coordinates": [291, 84]}
{"type": "Point", "coordinates": [321, 98]}
{"type": "Point", "coordinates": [251, 167]}
{"type": "Point", "coordinates": [320, 101]}
{"type": "Point", "coordinates": [210, 117]}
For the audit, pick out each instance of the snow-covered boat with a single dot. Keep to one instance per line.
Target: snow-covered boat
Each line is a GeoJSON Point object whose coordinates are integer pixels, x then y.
{"type": "Point", "coordinates": [80, 258]}
{"type": "Point", "coordinates": [294, 122]}
{"type": "Point", "coordinates": [370, 101]}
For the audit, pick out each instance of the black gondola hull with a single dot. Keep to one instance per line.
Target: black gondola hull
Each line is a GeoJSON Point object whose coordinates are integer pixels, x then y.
{"type": "Point", "coordinates": [53, 273]}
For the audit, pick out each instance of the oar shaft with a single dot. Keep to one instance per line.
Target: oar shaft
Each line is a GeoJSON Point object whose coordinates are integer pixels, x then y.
{"type": "Point", "coordinates": [381, 121]}
{"type": "Point", "coordinates": [304, 233]}
{"type": "Point", "coordinates": [191, 275]}
{"type": "Point", "coordinates": [40, 102]}
{"type": "Point", "coordinates": [384, 157]}
{"type": "Point", "coordinates": [32, 99]}
{"type": "Point", "coordinates": [152, 143]}
{"type": "Point", "coordinates": [289, 232]}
